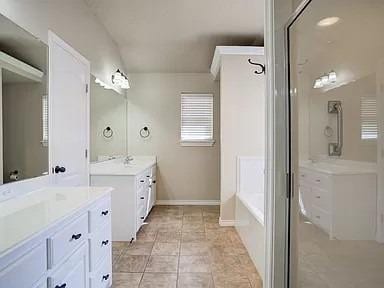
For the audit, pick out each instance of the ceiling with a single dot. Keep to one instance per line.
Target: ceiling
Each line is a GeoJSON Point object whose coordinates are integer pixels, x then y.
{"type": "Point", "coordinates": [178, 36]}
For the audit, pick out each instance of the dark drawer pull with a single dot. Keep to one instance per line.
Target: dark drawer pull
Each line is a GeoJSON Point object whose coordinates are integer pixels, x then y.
{"type": "Point", "coordinates": [105, 213]}
{"type": "Point", "coordinates": [105, 242]}
{"type": "Point", "coordinates": [154, 182]}
{"type": "Point", "coordinates": [105, 277]}
{"type": "Point", "coordinates": [142, 217]}
{"type": "Point", "coordinates": [76, 237]}
{"type": "Point", "coordinates": [148, 176]}
{"type": "Point", "coordinates": [142, 198]}
{"type": "Point", "coordinates": [142, 181]}
{"type": "Point", "coordinates": [61, 286]}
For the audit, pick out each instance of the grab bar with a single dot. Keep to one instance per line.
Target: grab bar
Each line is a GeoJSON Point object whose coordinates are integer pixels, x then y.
{"type": "Point", "coordinates": [335, 149]}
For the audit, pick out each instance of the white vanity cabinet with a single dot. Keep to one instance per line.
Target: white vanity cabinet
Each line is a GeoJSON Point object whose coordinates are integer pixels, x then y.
{"type": "Point", "coordinates": [342, 204]}
{"type": "Point", "coordinates": [71, 248]}
{"type": "Point", "coordinates": [133, 196]}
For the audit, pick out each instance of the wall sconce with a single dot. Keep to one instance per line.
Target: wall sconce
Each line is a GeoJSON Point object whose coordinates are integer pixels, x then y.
{"type": "Point", "coordinates": [119, 79]}
{"type": "Point", "coordinates": [325, 80]}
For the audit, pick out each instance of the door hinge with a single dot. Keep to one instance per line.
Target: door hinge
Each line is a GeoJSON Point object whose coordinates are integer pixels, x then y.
{"type": "Point", "coordinates": [86, 153]}
{"type": "Point", "coordinates": [86, 88]}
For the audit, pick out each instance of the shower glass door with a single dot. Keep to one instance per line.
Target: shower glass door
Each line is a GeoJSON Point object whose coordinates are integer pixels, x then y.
{"type": "Point", "coordinates": [336, 98]}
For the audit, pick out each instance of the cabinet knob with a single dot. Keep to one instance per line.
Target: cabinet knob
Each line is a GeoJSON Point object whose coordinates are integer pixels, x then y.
{"type": "Point", "coordinates": [61, 286]}
{"type": "Point", "coordinates": [59, 169]}
{"type": "Point", "coordinates": [105, 213]}
{"type": "Point", "coordinates": [142, 181]}
{"type": "Point", "coordinates": [154, 181]}
{"type": "Point", "coordinates": [105, 277]}
{"type": "Point", "coordinates": [142, 218]}
{"type": "Point", "coordinates": [105, 242]}
{"type": "Point", "coordinates": [142, 198]}
{"type": "Point", "coordinates": [76, 237]}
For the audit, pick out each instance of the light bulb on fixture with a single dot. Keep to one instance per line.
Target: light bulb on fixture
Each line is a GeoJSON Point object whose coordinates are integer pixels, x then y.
{"type": "Point", "coordinates": [324, 80]}
{"type": "Point", "coordinates": [332, 76]}
{"type": "Point", "coordinates": [318, 84]}
{"type": "Point", "coordinates": [120, 79]}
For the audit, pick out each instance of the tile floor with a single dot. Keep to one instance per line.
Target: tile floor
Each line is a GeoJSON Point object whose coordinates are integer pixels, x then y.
{"type": "Point", "coordinates": [184, 247]}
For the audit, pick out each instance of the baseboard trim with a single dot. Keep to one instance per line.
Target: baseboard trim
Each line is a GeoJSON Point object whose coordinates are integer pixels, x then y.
{"type": "Point", "coordinates": [189, 202]}
{"type": "Point", "coordinates": [226, 223]}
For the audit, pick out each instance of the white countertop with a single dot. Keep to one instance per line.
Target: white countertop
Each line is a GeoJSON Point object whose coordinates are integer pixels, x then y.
{"type": "Point", "coordinates": [23, 216]}
{"type": "Point", "coordinates": [340, 167]}
{"type": "Point", "coordinates": [117, 166]}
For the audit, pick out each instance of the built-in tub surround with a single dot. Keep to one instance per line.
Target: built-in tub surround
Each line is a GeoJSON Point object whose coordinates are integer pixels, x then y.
{"type": "Point", "coordinates": [340, 196]}
{"type": "Point", "coordinates": [249, 212]}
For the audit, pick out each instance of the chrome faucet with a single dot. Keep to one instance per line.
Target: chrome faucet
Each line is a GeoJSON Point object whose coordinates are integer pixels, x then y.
{"type": "Point", "coordinates": [128, 159]}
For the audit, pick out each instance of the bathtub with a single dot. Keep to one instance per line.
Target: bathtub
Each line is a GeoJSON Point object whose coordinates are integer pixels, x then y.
{"type": "Point", "coordinates": [249, 214]}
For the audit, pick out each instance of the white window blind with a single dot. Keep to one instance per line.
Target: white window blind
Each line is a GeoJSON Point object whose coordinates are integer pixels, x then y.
{"type": "Point", "coordinates": [197, 118]}
{"type": "Point", "coordinates": [368, 116]}
{"type": "Point", "coordinates": [44, 120]}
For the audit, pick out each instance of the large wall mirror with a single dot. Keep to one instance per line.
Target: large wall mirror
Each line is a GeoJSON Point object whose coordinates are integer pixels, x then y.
{"type": "Point", "coordinates": [108, 122]}
{"type": "Point", "coordinates": [24, 104]}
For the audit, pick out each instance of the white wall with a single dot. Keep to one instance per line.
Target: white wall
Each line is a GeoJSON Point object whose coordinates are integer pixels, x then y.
{"type": "Point", "coordinates": [108, 108]}
{"type": "Point", "coordinates": [72, 21]}
{"type": "Point", "coordinates": [242, 111]}
{"type": "Point", "coordinates": [184, 173]}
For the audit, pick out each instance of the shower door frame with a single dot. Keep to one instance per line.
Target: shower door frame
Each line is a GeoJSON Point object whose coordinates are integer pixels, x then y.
{"type": "Point", "coordinates": [291, 264]}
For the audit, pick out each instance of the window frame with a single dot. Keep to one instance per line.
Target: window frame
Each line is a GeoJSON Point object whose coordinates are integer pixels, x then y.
{"type": "Point", "coordinates": [197, 142]}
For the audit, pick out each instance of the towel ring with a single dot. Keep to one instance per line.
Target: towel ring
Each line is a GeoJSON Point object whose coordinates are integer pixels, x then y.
{"type": "Point", "coordinates": [108, 132]}
{"type": "Point", "coordinates": [144, 132]}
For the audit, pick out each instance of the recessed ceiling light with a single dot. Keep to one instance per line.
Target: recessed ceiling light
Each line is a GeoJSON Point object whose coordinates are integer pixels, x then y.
{"type": "Point", "coordinates": [329, 21]}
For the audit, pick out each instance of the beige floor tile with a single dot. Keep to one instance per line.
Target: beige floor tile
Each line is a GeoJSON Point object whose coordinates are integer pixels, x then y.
{"type": "Point", "coordinates": [168, 236]}
{"type": "Point", "coordinates": [162, 264]}
{"type": "Point", "coordinates": [255, 280]}
{"type": "Point", "coordinates": [188, 236]}
{"type": "Point", "coordinates": [131, 263]}
{"type": "Point", "coordinates": [193, 219]}
{"type": "Point", "coordinates": [194, 264]}
{"type": "Point", "coordinates": [193, 227]}
{"type": "Point", "coordinates": [166, 248]}
{"type": "Point", "coordinates": [195, 280]}
{"type": "Point", "coordinates": [230, 280]}
{"type": "Point", "coordinates": [149, 236]}
{"type": "Point", "coordinates": [159, 280]}
{"type": "Point", "coordinates": [195, 248]}
{"type": "Point", "coordinates": [139, 248]}
{"type": "Point", "coordinates": [125, 280]}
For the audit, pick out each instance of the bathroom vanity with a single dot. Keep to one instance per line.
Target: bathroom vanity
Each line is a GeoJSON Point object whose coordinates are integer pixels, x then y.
{"type": "Point", "coordinates": [339, 196]}
{"type": "Point", "coordinates": [56, 237]}
{"type": "Point", "coordinates": [134, 192]}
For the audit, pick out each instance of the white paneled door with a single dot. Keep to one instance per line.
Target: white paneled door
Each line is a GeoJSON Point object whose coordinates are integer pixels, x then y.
{"type": "Point", "coordinates": [69, 76]}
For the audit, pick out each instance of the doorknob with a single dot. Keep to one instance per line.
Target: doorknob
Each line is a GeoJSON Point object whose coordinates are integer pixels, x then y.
{"type": "Point", "coordinates": [59, 169]}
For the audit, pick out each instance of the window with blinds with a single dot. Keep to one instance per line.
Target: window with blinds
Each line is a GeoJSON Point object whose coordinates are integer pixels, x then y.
{"type": "Point", "coordinates": [44, 120]}
{"type": "Point", "coordinates": [368, 116]}
{"type": "Point", "coordinates": [197, 119]}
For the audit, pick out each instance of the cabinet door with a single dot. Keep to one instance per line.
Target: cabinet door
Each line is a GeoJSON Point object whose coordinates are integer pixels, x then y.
{"type": "Point", "coordinates": [73, 273]}
{"type": "Point", "coordinates": [69, 113]}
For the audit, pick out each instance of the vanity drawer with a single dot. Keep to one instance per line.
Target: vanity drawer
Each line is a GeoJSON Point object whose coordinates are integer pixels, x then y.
{"type": "Point", "coordinates": [99, 215]}
{"type": "Point", "coordinates": [321, 218]}
{"type": "Point", "coordinates": [27, 270]}
{"type": "Point", "coordinates": [321, 199]}
{"type": "Point", "coordinates": [100, 245]}
{"type": "Point", "coordinates": [67, 240]}
{"type": "Point", "coordinates": [102, 278]}
{"type": "Point", "coordinates": [141, 181]}
{"type": "Point", "coordinates": [73, 273]}
{"type": "Point", "coordinates": [320, 180]}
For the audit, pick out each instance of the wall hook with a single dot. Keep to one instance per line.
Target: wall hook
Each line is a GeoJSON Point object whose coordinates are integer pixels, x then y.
{"type": "Point", "coordinates": [261, 67]}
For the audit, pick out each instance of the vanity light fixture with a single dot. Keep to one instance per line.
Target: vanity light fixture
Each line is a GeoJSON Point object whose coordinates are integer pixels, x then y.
{"type": "Point", "coordinates": [329, 21]}
{"type": "Point", "coordinates": [325, 80]}
{"type": "Point", "coordinates": [119, 79]}
{"type": "Point", "coordinates": [102, 84]}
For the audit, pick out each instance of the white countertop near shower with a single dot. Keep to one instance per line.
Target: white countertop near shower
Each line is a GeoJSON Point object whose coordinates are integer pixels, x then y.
{"type": "Point", "coordinates": [24, 216]}
{"type": "Point", "coordinates": [117, 166]}
{"type": "Point", "coordinates": [340, 167]}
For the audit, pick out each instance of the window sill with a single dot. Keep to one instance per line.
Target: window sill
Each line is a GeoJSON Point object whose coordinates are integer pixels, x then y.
{"type": "Point", "coordinates": [206, 143]}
